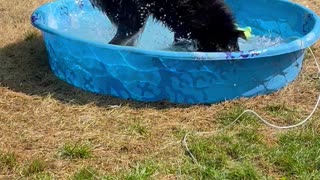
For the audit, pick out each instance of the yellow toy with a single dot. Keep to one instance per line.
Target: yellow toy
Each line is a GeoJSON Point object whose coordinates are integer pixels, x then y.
{"type": "Point", "coordinates": [247, 31]}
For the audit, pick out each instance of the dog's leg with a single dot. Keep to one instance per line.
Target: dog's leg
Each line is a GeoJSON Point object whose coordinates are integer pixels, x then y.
{"type": "Point", "coordinates": [182, 39]}
{"type": "Point", "coordinates": [126, 36]}
{"type": "Point", "coordinates": [123, 36]}
{"type": "Point", "coordinates": [128, 15]}
{"type": "Point", "coordinates": [131, 23]}
{"type": "Point", "coordinates": [178, 36]}
{"type": "Point", "coordinates": [134, 40]}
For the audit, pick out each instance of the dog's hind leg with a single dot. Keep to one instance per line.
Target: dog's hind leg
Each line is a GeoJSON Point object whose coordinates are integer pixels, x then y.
{"type": "Point", "coordinates": [123, 37]}
{"type": "Point", "coordinates": [131, 22]}
{"type": "Point", "coordinates": [127, 36]}
{"type": "Point", "coordinates": [128, 15]}
{"type": "Point", "coordinates": [178, 36]}
{"type": "Point", "coordinates": [182, 39]}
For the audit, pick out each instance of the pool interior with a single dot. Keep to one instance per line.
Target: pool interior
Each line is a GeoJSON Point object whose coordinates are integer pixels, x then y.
{"type": "Point", "coordinates": [79, 19]}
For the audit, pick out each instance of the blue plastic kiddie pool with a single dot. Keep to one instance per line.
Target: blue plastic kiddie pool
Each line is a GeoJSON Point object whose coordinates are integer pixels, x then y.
{"type": "Point", "coordinates": [76, 37]}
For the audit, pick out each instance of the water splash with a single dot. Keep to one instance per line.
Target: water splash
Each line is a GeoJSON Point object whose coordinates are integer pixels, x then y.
{"type": "Point", "coordinates": [155, 37]}
{"type": "Point", "coordinates": [259, 42]}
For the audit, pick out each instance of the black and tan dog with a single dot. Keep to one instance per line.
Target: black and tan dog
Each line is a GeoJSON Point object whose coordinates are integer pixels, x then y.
{"type": "Point", "coordinates": [207, 22]}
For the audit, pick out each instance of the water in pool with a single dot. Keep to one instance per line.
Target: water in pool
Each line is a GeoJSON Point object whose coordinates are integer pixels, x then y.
{"type": "Point", "coordinates": [156, 38]}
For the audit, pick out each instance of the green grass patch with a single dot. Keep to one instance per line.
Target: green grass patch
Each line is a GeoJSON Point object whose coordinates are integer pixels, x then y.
{"type": "Point", "coordinates": [43, 176]}
{"type": "Point", "coordinates": [244, 170]}
{"type": "Point", "coordinates": [218, 150]}
{"type": "Point", "coordinates": [141, 172]}
{"type": "Point", "coordinates": [242, 154]}
{"type": "Point", "coordinates": [229, 116]}
{"type": "Point", "coordinates": [179, 133]}
{"type": "Point", "coordinates": [8, 161]}
{"type": "Point", "coordinates": [86, 173]}
{"type": "Point", "coordinates": [297, 155]}
{"type": "Point", "coordinates": [34, 167]}
{"type": "Point", "coordinates": [236, 170]}
{"type": "Point", "coordinates": [138, 129]}
{"type": "Point", "coordinates": [281, 110]}
{"type": "Point", "coordinates": [75, 151]}
{"type": "Point", "coordinates": [226, 155]}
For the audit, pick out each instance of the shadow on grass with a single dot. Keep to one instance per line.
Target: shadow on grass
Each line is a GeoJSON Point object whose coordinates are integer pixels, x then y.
{"type": "Point", "coordinates": [24, 68]}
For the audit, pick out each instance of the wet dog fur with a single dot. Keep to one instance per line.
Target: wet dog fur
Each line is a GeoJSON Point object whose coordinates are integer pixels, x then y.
{"type": "Point", "coordinates": [209, 23]}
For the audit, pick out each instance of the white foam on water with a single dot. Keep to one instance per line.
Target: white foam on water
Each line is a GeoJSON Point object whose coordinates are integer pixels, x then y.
{"type": "Point", "coordinates": [259, 42]}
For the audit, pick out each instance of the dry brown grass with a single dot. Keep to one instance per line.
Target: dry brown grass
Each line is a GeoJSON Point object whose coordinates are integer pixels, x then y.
{"type": "Point", "coordinates": [39, 113]}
